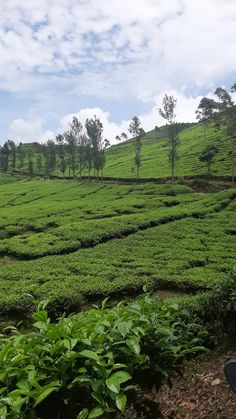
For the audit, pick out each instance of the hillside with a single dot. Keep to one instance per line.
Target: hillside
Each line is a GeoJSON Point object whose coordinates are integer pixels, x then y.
{"type": "Point", "coordinates": [154, 156]}
{"type": "Point", "coordinates": [155, 163]}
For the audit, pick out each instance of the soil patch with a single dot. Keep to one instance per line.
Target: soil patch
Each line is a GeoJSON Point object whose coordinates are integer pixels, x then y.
{"type": "Point", "coordinates": [202, 391]}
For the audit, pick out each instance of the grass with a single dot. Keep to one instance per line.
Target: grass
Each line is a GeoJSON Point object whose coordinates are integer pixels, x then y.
{"type": "Point", "coordinates": [66, 239]}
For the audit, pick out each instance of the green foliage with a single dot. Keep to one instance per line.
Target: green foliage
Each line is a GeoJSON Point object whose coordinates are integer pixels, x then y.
{"type": "Point", "coordinates": [207, 156]}
{"type": "Point", "coordinates": [86, 365]}
{"type": "Point", "coordinates": [69, 241]}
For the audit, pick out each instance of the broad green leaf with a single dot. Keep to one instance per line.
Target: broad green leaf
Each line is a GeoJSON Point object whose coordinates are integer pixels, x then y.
{"type": "Point", "coordinates": [40, 315]}
{"type": "Point", "coordinates": [3, 412]}
{"type": "Point", "coordinates": [44, 395]}
{"type": "Point", "coordinates": [116, 379]}
{"type": "Point", "coordinates": [95, 413]}
{"type": "Point", "coordinates": [133, 344]}
{"type": "Point", "coordinates": [83, 414]}
{"type": "Point", "coordinates": [41, 325]}
{"type": "Point", "coordinates": [117, 366]}
{"type": "Point", "coordinates": [121, 401]}
{"type": "Point", "coordinates": [104, 303]}
{"type": "Point", "coordinates": [89, 354]}
{"type": "Point", "coordinates": [24, 386]}
{"type": "Point", "coordinates": [124, 327]}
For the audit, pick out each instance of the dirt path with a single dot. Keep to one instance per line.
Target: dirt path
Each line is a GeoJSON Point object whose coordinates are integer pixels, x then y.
{"type": "Point", "coordinates": [202, 392]}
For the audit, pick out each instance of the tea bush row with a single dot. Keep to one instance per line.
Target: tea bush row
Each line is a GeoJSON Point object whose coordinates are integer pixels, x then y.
{"type": "Point", "coordinates": [189, 254]}
{"type": "Point", "coordinates": [69, 237]}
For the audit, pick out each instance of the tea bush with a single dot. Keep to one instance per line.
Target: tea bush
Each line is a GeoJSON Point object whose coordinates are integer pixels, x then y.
{"type": "Point", "coordinates": [89, 365]}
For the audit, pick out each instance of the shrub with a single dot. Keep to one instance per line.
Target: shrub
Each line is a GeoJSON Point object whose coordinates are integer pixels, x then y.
{"type": "Point", "coordinates": [88, 365]}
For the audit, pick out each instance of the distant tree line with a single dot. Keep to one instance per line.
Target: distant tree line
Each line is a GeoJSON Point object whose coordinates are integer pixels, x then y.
{"type": "Point", "coordinates": [76, 151]}
{"type": "Point", "coordinates": [80, 151]}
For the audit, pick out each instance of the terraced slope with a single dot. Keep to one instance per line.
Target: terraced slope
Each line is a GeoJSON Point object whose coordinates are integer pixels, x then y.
{"type": "Point", "coordinates": [155, 164]}
{"type": "Point", "coordinates": [61, 239]}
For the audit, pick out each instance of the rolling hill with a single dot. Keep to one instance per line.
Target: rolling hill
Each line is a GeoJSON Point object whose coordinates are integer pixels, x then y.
{"type": "Point", "coordinates": [154, 158]}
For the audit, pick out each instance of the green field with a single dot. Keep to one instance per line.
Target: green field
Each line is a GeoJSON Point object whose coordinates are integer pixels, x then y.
{"type": "Point", "coordinates": [66, 239]}
{"type": "Point", "coordinates": [154, 156]}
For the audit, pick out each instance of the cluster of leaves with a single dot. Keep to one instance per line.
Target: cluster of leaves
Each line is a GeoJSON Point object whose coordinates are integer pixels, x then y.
{"type": "Point", "coordinates": [86, 365]}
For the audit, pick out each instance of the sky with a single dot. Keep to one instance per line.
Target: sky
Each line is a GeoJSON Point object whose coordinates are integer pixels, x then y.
{"type": "Point", "coordinates": [109, 58]}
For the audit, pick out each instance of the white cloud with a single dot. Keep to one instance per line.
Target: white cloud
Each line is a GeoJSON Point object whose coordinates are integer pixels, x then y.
{"type": "Point", "coordinates": [107, 49]}
{"type": "Point", "coordinates": [55, 50]}
{"type": "Point", "coordinates": [28, 131]}
{"type": "Point", "coordinates": [32, 130]}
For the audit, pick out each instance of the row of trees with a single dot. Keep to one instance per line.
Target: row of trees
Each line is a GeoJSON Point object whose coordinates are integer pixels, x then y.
{"type": "Point", "coordinates": [221, 112]}
{"type": "Point", "coordinates": [82, 149]}
{"type": "Point", "coordinates": [79, 149]}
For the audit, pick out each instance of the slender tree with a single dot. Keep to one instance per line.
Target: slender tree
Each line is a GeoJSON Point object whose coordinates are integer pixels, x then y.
{"type": "Point", "coordinates": [78, 145]}
{"type": "Point", "coordinates": [167, 112]}
{"type": "Point", "coordinates": [5, 157]}
{"type": "Point", "coordinates": [12, 153]}
{"type": "Point", "coordinates": [205, 112]}
{"type": "Point", "coordinates": [137, 132]}
{"type": "Point", "coordinates": [60, 140]}
{"type": "Point", "coordinates": [71, 145]}
{"type": "Point", "coordinates": [94, 129]}
{"type": "Point", "coordinates": [231, 133]}
{"type": "Point", "coordinates": [207, 156]}
{"type": "Point", "coordinates": [20, 155]}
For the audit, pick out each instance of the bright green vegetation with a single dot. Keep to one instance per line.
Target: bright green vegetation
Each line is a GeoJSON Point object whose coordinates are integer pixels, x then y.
{"type": "Point", "coordinates": [154, 155]}
{"type": "Point", "coordinates": [96, 363]}
{"type": "Point", "coordinates": [65, 239]}
{"type": "Point", "coordinates": [87, 366]}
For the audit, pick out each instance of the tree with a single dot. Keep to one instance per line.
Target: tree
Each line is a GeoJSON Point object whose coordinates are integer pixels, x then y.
{"type": "Point", "coordinates": [106, 143]}
{"type": "Point", "coordinates": [205, 112]}
{"type": "Point", "coordinates": [136, 131]}
{"type": "Point", "coordinates": [231, 133]}
{"type": "Point", "coordinates": [21, 155]}
{"type": "Point", "coordinates": [207, 156]}
{"type": "Point", "coordinates": [94, 129]}
{"type": "Point", "coordinates": [224, 98]}
{"type": "Point", "coordinates": [49, 154]}
{"type": "Point", "coordinates": [52, 158]}
{"type": "Point", "coordinates": [12, 151]}
{"type": "Point", "coordinates": [124, 136]}
{"type": "Point", "coordinates": [39, 162]}
{"type": "Point", "coordinates": [60, 140]}
{"type": "Point", "coordinates": [118, 139]}
{"type": "Point", "coordinates": [5, 157]}
{"type": "Point", "coordinates": [71, 150]}
{"type": "Point", "coordinates": [223, 104]}
{"type": "Point", "coordinates": [168, 113]}
{"type": "Point", "coordinates": [77, 145]}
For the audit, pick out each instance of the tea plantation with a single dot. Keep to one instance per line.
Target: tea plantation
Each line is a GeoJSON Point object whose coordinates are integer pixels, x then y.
{"type": "Point", "coordinates": [154, 156]}
{"type": "Point", "coordinates": [67, 240]}
{"type": "Point", "coordinates": [65, 245]}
